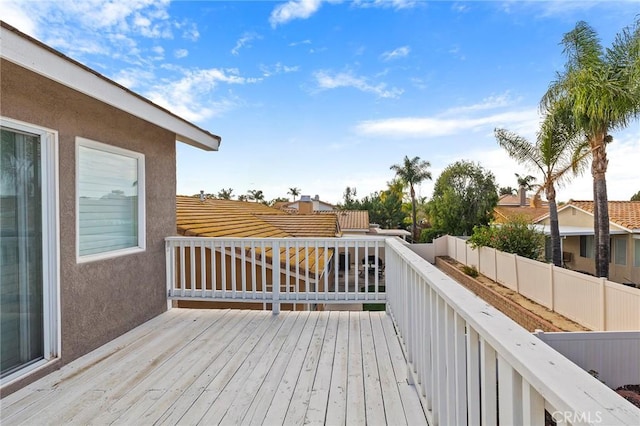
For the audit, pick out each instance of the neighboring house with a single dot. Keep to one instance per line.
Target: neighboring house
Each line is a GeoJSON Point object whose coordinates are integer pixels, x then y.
{"type": "Point", "coordinates": [354, 222]}
{"type": "Point", "coordinates": [512, 206]}
{"type": "Point", "coordinates": [87, 197]}
{"type": "Point", "coordinates": [228, 218]}
{"type": "Point", "coordinates": [576, 229]}
{"type": "Point", "coordinates": [305, 203]}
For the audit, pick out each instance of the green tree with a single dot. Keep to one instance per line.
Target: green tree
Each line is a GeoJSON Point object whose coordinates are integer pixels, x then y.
{"type": "Point", "coordinates": [350, 202]}
{"type": "Point", "coordinates": [506, 190]}
{"type": "Point", "coordinates": [294, 192]}
{"type": "Point", "coordinates": [464, 196]}
{"type": "Point", "coordinates": [225, 194]}
{"type": "Point", "coordinates": [412, 172]}
{"type": "Point", "coordinates": [552, 157]}
{"type": "Point", "coordinates": [526, 182]}
{"type": "Point", "coordinates": [255, 195]}
{"type": "Point", "coordinates": [636, 196]}
{"type": "Point", "coordinates": [517, 236]}
{"type": "Point", "coordinates": [602, 88]}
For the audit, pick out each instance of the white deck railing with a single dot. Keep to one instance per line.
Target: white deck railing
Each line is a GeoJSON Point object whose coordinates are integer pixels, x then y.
{"type": "Point", "coordinates": [306, 271]}
{"type": "Point", "coordinates": [473, 365]}
{"type": "Point", "coordinates": [470, 363]}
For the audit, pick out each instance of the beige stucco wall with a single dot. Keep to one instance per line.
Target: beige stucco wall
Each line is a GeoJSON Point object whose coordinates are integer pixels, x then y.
{"type": "Point", "coordinates": [102, 299]}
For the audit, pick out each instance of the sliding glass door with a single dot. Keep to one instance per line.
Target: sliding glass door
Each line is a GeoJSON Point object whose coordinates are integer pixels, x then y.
{"type": "Point", "coordinates": [22, 287]}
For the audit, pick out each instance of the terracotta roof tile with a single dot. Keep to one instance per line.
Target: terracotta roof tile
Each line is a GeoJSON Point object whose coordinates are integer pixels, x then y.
{"type": "Point", "coordinates": [503, 213]}
{"type": "Point", "coordinates": [229, 218]}
{"type": "Point", "coordinates": [623, 213]}
{"type": "Point", "coordinates": [350, 219]}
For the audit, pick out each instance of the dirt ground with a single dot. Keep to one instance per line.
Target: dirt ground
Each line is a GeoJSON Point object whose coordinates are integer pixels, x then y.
{"type": "Point", "coordinates": [553, 317]}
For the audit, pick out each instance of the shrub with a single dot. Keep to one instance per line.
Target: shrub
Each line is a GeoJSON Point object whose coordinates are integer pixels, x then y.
{"type": "Point", "coordinates": [516, 236]}
{"type": "Point", "coordinates": [470, 270]}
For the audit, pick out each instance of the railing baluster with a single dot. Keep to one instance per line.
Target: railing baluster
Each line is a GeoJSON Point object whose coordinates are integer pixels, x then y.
{"type": "Point", "coordinates": [214, 277]}
{"type": "Point", "coordinates": [253, 268]}
{"type": "Point", "coordinates": [275, 286]}
{"type": "Point", "coordinates": [473, 377]}
{"type": "Point", "coordinates": [223, 269]}
{"type": "Point", "coordinates": [183, 274]}
{"type": "Point", "coordinates": [488, 385]}
{"type": "Point", "coordinates": [263, 272]}
{"type": "Point", "coordinates": [532, 405]}
{"type": "Point", "coordinates": [460, 370]}
{"type": "Point", "coordinates": [509, 394]}
{"type": "Point", "coordinates": [203, 268]}
{"type": "Point", "coordinates": [243, 269]}
{"type": "Point", "coordinates": [232, 256]}
{"type": "Point", "coordinates": [192, 264]}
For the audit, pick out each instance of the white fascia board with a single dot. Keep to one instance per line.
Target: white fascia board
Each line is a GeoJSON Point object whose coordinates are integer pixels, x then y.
{"type": "Point", "coordinates": [34, 56]}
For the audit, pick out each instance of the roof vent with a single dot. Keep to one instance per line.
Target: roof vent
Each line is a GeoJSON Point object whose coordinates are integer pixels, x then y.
{"type": "Point", "coordinates": [201, 195]}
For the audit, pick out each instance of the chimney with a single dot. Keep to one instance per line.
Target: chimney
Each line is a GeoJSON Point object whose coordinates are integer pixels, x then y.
{"type": "Point", "coordinates": [305, 205]}
{"type": "Point", "coordinates": [523, 196]}
{"type": "Point", "coordinates": [201, 195]}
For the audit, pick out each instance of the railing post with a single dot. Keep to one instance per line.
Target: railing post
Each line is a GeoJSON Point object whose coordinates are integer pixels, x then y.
{"type": "Point", "coordinates": [275, 278]}
{"type": "Point", "coordinates": [603, 304]}
{"type": "Point", "coordinates": [168, 271]}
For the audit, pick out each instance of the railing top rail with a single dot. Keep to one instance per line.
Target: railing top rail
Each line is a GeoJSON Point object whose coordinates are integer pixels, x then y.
{"type": "Point", "coordinates": [346, 238]}
{"type": "Point", "coordinates": [561, 382]}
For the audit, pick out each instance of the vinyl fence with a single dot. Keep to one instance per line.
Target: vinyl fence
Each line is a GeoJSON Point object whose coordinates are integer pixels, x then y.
{"type": "Point", "coordinates": [611, 356]}
{"type": "Point", "coordinates": [595, 303]}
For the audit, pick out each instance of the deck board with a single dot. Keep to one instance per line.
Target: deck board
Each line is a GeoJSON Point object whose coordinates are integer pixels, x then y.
{"type": "Point", "coordinates": [232, 367]}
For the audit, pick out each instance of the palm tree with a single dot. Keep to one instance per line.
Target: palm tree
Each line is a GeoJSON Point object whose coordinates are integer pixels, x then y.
{"type": "Point", "coordinates": [602, 88]}
{"type": "Point", "coordinates": [294, 192]}
{"type": "Point", "coordinates": [412, 172]}
{"type": "Point", "coordinates": [255, 194]}
{"type": "Point", "coordinates": [552, 155]}
{"type": "Point", "coordinates": [225, 194]}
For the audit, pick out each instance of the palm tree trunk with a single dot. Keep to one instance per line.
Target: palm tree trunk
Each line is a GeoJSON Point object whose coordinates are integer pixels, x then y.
{"type": "Point", "coordinates": [601, 206]}
{"type": "Point", "coordinates": [414, 229]}
{"type": "Point", "coordinates": [556, 251]}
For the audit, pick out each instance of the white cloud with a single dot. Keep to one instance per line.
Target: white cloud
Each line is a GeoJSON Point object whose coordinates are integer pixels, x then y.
{"type": "Point", "coordinates": [293, 9]}
{"type": "Point", "coordinates": [426, 127]}
{"type": "Point", "coordinates": [491, 102]}
{"type": "Point", "coordinates": [189, 96]}
{"type": "Point", "coordinates": [327, 81]}
{"type": "Point", "coordinates": [390, 4]}
{"type": "Point", "coordinates": [132, 78]}
{"type": "Point", "coordinates": [278, 68]}
{"type": "Point", "coordinates": [298, 43]}
{"type": "Point", "coordinates": [400, 52]}
{"type": "Point", "coordinates": [97, 27]}
{"type": "Point", "coordinates": [244, 41]}
{"type": "Point", "coordinates": [181, 53]}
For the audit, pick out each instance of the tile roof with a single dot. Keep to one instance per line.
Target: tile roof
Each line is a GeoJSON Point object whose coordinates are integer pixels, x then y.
{"type": "Point", "coordinates": [503, 213]}
{"type": "Point", "coordinates": [350, 219]}
{"type": "Point", "coordinates": [229, 218]}
{"type": "Point", "coordinates": [623, 213]}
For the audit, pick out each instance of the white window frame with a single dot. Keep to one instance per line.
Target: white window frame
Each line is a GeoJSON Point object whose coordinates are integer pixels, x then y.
{"type": "Point", "coordinates": [142, 216]}
{"type": "Point", "coordinates": [50, 246]}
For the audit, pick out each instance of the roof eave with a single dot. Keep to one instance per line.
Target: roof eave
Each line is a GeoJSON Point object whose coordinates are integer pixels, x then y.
{"type": "Point", "coordinates": [41, 59]}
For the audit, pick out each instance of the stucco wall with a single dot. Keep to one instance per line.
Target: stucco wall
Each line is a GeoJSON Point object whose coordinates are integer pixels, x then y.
{"type": "Point", "coordinates": [102, 299]}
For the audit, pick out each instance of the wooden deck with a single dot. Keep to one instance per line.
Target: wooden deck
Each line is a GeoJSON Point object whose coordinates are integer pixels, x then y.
{"type": "Point", "coordinates": [191, 366]}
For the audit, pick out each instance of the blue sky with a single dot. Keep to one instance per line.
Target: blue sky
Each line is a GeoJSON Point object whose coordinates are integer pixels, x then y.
{"type": "Point", "coordinates": [321, 95]}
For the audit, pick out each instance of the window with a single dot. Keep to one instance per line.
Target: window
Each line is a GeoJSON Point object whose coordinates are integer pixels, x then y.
{"type": "Point", "coordinates": [110, 201]}
{"type": "Point", "coordinates": [636, 249]}
{"type": "Point", "coordinates": [29, 267]}
{"type": "Point", "coordinates": [620, 251]}
{"type": "Point", "coordinates": [586, 246]}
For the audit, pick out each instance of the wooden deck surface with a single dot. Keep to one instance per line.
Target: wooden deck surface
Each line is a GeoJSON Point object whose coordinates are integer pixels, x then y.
{"type": "Point", "coordinates": [231, 367]}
